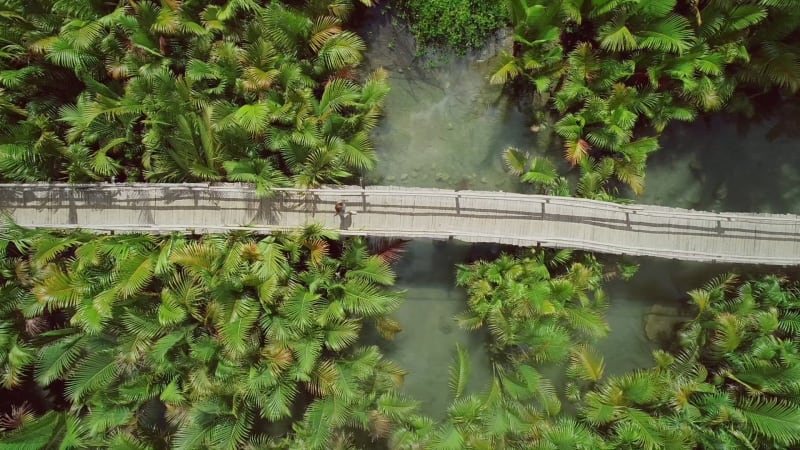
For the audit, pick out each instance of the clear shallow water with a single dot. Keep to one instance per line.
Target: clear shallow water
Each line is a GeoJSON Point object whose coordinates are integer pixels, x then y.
{"type": "Point", "coordinates": [427, 345]}
{"type": "Point", "coordinates": [444, 125]}
{"type": "Point", "coordinates": [723, 164]}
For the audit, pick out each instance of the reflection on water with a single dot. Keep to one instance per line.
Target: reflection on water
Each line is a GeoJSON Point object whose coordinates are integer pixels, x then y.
{"type": "Point", "coordinates": [719, 165]}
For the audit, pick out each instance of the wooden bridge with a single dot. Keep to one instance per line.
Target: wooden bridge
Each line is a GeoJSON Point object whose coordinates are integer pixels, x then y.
{"type": "Point", "coordinates": [472, 216]}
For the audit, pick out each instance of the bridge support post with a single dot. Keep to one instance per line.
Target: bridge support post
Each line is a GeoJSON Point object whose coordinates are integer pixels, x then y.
{"type": "Point", "coordinates": [363, 196]}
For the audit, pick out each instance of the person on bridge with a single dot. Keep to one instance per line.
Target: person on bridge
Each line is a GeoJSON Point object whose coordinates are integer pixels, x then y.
{"type": "Point", "coordinates": [341, 209]}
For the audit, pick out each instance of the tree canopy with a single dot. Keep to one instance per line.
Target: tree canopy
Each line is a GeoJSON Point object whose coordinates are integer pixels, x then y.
{"type": "Point", "coordinates": [223, 341]}
{"type": "Point", "coordinates": [617, 72]}
{"type": "Point", "coordinates": [193, 90]}
{"type": "Point", "coordinates": [730, 382]}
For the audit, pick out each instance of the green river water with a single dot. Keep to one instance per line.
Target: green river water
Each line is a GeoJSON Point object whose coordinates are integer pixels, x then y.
{"type": "Point", "coordinates": [445, 126]}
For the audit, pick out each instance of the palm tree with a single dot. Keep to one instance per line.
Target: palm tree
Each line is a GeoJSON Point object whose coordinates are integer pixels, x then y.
{"type": "Point", "coordinates": [538, 171]}
{"type": "Point", "coordinates": [177, 91]}
{"type": "Point", "coordinates": [182, 342]}
{"type": "Point", "coordinates": [731, 384]}
{"type": "Point", "coordinates": [744, 333]}
{"type": "Point", "coordinates": [531, 311]}
{"type": "Point", "coordinates": [615, 69]}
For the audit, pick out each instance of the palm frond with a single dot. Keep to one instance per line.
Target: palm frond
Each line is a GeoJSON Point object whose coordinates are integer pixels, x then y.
{"type": "Point", "coordinates": [93, 373]}
{"type": "Point", "coordinates": [56, 359]}
{"type": "Point", "coordinates": [542, 172]}
{"type": "Point", "coordinates": [776, 421]}
{"type": "Point", "coordinates": [508, 69]}
{"type": "Point", "coordinates": [673, 34]}
{"type": "Point", "coordinates": [515, 160]}
{"type": "Point", "coordinates": [342, 50]}
{"type": "Point", "coordinates": [339, 336]}
{"type": "Point", "coordinates": [586, 364]}
{"type": "Point", "coordinates": [617, 38]}
{"type": "Point", "coordinates": [459, 372]}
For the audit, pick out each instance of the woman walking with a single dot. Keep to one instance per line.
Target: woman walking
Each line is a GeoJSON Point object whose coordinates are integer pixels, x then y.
{"type": "Point", "coordinates": [340, 208]}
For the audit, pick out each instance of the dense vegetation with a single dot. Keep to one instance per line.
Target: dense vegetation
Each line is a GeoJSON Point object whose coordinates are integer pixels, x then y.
{"type": "Point", "coordinates": [731, 382]}
{"type": "Point", "coordinates": [617, 72]}
{"type": "Point", "coordinates": [135, 341]}
{"type": "Point", "coordinates": [241, 341]}
{"type": "Point", "coordinates": [195, 90]}
{"type": "Point", "coordinates": [453, 24]}
{"type": "Point", "coordinates": [256, 342]}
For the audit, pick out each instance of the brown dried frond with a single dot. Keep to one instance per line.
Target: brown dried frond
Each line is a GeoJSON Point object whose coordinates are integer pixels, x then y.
{"type": "Point", "coordinates": [379, 425]}
{"type": "Point", "coordinates": [250, 252]}
{"type": "Point", "coordinates": [388, 328]}
{"type": "Point", "coordinates": [575, 151]}
{"type": "Point", "coordinates": [118, 69]}
{"type": "Point", "coordinates": [173, 4]}
{"type": "Point", "coordinates": [177, 415]}
{"type": "Point", "coordinates": [317, 250]}
{"type": "Point", "coordinates": [323, 380]}
{"type": "Point", "coordinates": [278, 358]}
{"type": "Point", "coordinates": [388, 250]}
{"type": "Point", "coordinates": [35, 325]}
{"type": "Point", "coordinates": [341, 440]}
{"type": "Point", "coordinates": [15, 418]}
{"type": "Point", "coordinates": [348, 73]}
{"type": "Point", "coordinates": [22, 270]}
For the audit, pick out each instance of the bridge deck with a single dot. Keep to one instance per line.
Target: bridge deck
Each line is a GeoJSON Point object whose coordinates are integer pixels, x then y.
{"type": "Point", "coordinates": [414, 213]}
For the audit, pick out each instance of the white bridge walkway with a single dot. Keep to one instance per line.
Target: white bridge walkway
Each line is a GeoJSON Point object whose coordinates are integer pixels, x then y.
{"type": "Point", "coordinates": [471, 216]}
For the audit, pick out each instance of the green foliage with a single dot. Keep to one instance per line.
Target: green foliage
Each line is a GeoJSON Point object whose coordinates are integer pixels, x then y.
{"type": "Point", "coordinates": [618, 72]}
{"type": "Point", "coordinates": [459, 372]}
{"type": "Point", "coordinates": [732, 382]}
{"type": "Point", "coordinates": [177, 342]}
{"type": "Point", "coordinates": [586, 364]}
{"type": "Point", "coordinates": [706, 396]}
{"type": "Point", "coordinates": [456, 24]}
{"type": "Point", "coordinates": [536, 307]}
{"type": "Point", "coordinates": [185, 91]}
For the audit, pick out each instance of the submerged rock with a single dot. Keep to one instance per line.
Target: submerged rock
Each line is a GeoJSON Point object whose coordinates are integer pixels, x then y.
{"type": "Point", "coordinates": [446, 324]}
{"type": "Point", "coordinates": [662, 321]}
{"type": "Point", "coordinates": [696, 168]}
